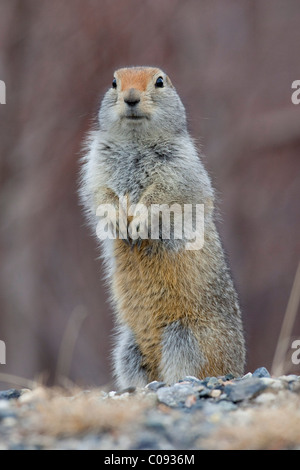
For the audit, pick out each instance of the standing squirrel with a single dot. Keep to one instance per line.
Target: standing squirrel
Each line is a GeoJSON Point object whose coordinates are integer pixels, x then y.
{"type": "Point", "coordinates": [177, 311]}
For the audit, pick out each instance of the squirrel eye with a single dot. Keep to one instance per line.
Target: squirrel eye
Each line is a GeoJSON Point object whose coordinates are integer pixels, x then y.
{"type": "Point", "coordinates": [159, 82]}
{"type": "Point", "coordinates": [114, 83]}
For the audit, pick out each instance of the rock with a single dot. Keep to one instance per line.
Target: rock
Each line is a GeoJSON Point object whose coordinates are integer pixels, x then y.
{"type": "Point", "coordinates": [8, 413]}
{"type": "Point", "coordinates": [228, 377]}
{"type": "Point", "coordinates": [211, 408]}
{"type": "Point", "coordinates": [155, 422]}
{"type": "Point", "coordinates": [190, 401]}
{"type": "Point", "coordinates": [154, 386]}
{"type": "Point", "coordinates": [294, 386]}
{"type": "Point", "coordinates": [261, 372]}
{"type": "Point", "coordinates": [193, 380]}
{"type": "Point", "coordinates": [146, 443]}
{"type": "Point", "coordinates": [274, 384]}
{"type": "Point", "coordinates": [10, 394]}
{"type": "Point", "coordinates": [246, 376]}
{"type": "Point", "coordinates": [216, 393]}
{"type": "Point", "coordinates": [289, 378]}
{"type": "Point", "coordinates": [175, 395]}
{"type": "Point", "coordinates": [226, 406]}
{"type": "Point", "coordinates": [212, 382]}
{"type": "Point", "coordinates": [205, 392]}
{"type": "Point", "coordinates": [244, 389]}
{"type": "Point", "coordinates": [265, 398]}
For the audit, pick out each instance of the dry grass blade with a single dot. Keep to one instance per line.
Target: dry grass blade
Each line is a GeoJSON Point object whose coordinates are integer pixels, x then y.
{"type": "Point", "coordinates": [287, 327]}
{"type": "Point", "coordinates": [68, 343]}
{"type": "Point", "coordinates": [17, 381]}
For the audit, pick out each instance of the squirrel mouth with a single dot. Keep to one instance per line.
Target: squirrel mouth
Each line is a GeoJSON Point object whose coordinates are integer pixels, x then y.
{"type": "Point", "coordinates": [133, 117]}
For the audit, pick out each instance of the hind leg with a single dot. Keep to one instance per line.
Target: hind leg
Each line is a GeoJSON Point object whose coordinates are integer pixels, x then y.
{"type": "Point", "coordinates": [181, 355]}
{"type": "Point", "coordinates": [128, 361]}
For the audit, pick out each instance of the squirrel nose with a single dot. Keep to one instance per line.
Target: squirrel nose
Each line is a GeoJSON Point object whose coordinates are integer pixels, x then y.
{"type": "Point", "coordinates": [132, 97]}
{"type": "Point", "coordinates": [132, 102]}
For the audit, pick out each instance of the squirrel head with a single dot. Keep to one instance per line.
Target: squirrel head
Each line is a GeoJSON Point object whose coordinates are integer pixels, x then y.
{"type": "Point", "coordinates": [142, 101]}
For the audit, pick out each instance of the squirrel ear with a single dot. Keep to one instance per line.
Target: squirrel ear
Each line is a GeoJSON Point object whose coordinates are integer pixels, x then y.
{"type": "Point", "coordinates": [169, 82]}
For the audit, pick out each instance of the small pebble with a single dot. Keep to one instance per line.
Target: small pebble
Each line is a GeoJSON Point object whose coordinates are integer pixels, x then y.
{"type": "Point", "coordinates": [215, 393]}
{"type": "Point", "coordinates": [212, 382]}
{"type": "Point", "coordinates": [289, 378]}
{"type": "Point", "coordinates": [228, 377]}
{"type": "Point", "coordinates": [274, 383]}
{"type": "Point", "coordinates": [190, 401]}
{"type": "Point", "coordinates": [226, 405]}
{"type": "Point", "coordinates": [261, 372]}
{"type": "Point", "coordinates": [265, 398]}
{"type": "Point", "coordinates": [192, 379]}
{"type": "Point", "coordinates": [155, 385]}
{"type": "Point", "coordinates": [175, 395]}
{"type": "Point", "coordinates": [247, 376]}
{"type": "Point", "coordinates": [10, 394]}
{"type": "Point", "coordinates": [245, 389]}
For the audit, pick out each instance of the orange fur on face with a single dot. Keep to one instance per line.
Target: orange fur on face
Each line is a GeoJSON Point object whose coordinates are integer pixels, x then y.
{"type": "Point", "coordinates": [137, 78]}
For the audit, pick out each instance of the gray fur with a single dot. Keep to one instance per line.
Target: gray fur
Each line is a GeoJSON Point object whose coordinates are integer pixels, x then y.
{"type": "Point", "coordinates": [127, 357]}
{"type": "Point", "coordinates": [131, 166]}
{"type": "Point", "coordinates": [128, 157]}
{"type": "Point", "coordinates": [156, 152]}
{"type": "Point", "coordinates": [181, 355]}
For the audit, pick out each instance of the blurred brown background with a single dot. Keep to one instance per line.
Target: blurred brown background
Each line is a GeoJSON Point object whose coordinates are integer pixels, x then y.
{"type": "Point", "coordinates": [233, 63]}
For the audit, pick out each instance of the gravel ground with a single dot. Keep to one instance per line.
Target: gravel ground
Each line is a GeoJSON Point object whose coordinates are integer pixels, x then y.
{"type": "Point", "coordinates": [255, 411]}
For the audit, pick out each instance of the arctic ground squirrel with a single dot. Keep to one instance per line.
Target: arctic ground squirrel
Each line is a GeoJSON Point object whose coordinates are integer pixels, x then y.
{"type": "Point", "coordinates": [177, 311]}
